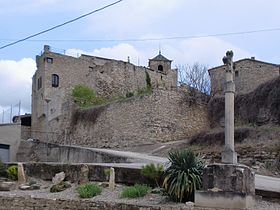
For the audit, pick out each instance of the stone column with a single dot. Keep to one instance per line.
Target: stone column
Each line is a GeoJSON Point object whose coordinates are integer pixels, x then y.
{"type": "Point", "coordinates": [229, 155]}
{"type": "Point", "coordinates": [227, 185]}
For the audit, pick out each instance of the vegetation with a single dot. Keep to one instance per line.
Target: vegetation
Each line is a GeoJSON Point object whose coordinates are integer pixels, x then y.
{"type": "Point", "coordinates": [153, 172]}
{"type": "Point", "coordinates": [12, 172]}
{"type": "Point", "coordinates": [138, 190]}
{"type": "Point", "coordinates": [148, 80]}
{"type": "Point", "coordinates": [183, 175]}
{"type": "Point", "coordinates": [86, 97]}
{"type": "Point", "coordinates": [129, 94]}
{"type": "Point", "coordinates": [144, 91]}
{"type": "Point", "coordinates": [195, 76]}
{"type": "Point", "coordinates": [89, 190]}
{"type": "Point", "coordinates": [60, 187]}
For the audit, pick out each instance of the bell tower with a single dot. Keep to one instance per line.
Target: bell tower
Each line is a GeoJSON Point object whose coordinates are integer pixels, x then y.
{"type": "Point", "coordinates": [160, 64]}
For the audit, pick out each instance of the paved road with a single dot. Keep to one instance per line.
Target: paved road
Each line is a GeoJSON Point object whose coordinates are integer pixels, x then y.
{"type": "Point", "coordinates": [267, 183]}
{"type": "Point", "coordinates": [264, 183]}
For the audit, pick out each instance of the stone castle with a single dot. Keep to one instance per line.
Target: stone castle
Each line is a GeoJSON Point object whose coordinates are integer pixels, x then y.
{"type": "Point", "coordinates": [169, 113]}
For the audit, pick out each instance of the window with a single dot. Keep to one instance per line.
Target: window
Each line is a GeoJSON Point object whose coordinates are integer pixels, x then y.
{"type": "Point", "coordinates": [55, 80]}
{"type": "Point", "coordinates": [49, 60]}
{"type": "Point", "coordinates": [160, 67]}
{"type": "Point", "coordinates": [236, 73]}
{"type": "Point", "coordinates": [39, 83]}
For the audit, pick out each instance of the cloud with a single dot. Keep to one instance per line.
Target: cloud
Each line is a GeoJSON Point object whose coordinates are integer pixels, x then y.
{"type": "Point", "coordinates": [15, 83]}
{"type": "Point", "coordinates": [208, 51]}
{"type": "Point", "coordinates": [119, 52]}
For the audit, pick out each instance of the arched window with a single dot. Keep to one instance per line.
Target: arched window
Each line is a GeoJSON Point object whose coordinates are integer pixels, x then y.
{"type": "Point", "coordinates": [55, 80]}
{"type": "Point", "coordinates": [160, 67]}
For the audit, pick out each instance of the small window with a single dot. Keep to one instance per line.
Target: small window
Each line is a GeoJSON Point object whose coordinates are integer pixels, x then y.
{"type": "Point", "coordinates": [236, 73]}
{"type": "Point", "coordinates": [90, 68]}
{"type": "Point", "coordinates": [49, 60]}
{"type": "Point", "coordinates": [55, 80]}
{"type": "Point", "coordinates": [160, 67]}
{"type": "Point", "coordinates": [39, 83]}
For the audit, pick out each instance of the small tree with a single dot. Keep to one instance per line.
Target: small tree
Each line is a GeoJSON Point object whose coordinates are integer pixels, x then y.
{"type": "Point", "coordinates": [195, 76]}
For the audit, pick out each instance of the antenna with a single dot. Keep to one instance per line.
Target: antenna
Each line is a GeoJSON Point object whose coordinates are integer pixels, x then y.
{"type": "Point", "coordinates": [159, 48]}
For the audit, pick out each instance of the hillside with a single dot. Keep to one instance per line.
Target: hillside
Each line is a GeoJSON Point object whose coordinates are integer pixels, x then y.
{"type": "Point", "coordinates": [257, 131]}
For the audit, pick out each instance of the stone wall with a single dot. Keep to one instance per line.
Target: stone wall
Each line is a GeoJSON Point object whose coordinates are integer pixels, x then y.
{"type": "Point", "coordinates": [107, 77]}
{"type": "Point", "coordinates": [9, 202]}
{"type": "Point", "coordinates": [161, 117]}
{"type": "Point", "coordinates": [30, 151]}
{"type": "Point", "coordinates": [249, 74]}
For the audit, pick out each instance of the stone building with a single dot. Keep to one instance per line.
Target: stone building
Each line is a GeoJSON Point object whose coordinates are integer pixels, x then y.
{"type": "Point", "coordinates": [248, 75]}
{"type": "Point", "coordinates": [57, 74]}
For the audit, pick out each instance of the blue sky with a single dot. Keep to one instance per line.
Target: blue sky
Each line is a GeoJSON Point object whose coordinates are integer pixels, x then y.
{"type": "Point", "coordinates": [132, 19]}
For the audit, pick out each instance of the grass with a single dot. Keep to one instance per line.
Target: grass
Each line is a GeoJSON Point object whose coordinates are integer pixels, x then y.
{"type": "Point", "coordinates": [88, 190]}
{"type": "Point", "coordinates": [138, 190]}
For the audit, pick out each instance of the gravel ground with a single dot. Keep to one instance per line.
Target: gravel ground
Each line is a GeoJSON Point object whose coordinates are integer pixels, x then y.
{"type": "Point", "coordinates": [114, 196]}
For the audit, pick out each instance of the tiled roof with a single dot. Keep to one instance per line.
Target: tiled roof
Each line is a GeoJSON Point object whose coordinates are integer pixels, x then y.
{"type": "Point", "coordinates": [245, 59]}
{"type": "Point", "coordinates": [160, 57]}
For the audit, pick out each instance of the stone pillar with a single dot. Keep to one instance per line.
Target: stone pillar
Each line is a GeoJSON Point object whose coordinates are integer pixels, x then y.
{"type": "Point", "coordinates": [229, 155]}
{"type": "Point", "coordinates": [227, 185]}
{"type": "Point", "coordinates": [21, 174]}
{"type": "Point", "coordinates": [112, 179]}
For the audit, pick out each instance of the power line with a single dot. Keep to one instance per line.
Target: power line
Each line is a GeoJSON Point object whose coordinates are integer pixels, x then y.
{"type": "Point", "coordinates": [152, 39]}
{"type": "Point", "coordinates": [60, 25]}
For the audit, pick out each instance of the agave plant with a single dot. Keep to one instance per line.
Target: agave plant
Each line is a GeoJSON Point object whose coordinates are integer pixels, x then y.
{"type": "Point", "coordinates": [183, 175]}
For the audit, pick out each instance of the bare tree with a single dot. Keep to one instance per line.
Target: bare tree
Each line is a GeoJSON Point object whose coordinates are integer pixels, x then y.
{"type": "Point", "coordinates": [195, 76]}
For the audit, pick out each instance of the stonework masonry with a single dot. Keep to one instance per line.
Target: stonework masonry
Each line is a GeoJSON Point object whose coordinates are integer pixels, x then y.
{"type": "Point", "coordinates": [58, 74]}
{"type": "Point", "coordinates": [248, 75]}
{"type": "Point", "coordinates": [161, 117]}
{"type": "Point", "coordinates": [164, 116]}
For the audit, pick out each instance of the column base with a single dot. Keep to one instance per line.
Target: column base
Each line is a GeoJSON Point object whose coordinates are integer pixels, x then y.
{"type": "Point", "coordinates": [229, 157]}
{"type": "Point", "coordinates": [226, 186]}
{"type": "Point", "coordinates": [225, 200]}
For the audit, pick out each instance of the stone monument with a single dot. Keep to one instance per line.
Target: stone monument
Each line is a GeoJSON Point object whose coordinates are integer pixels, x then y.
{"type": "Point", "coordinates": [227, 185]}
{"type": "Point", "coordinates": [229, 155]}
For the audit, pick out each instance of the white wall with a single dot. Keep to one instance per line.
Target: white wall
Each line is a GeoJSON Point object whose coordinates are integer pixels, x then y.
{"type": "Point", "coordinates": [10, 135]}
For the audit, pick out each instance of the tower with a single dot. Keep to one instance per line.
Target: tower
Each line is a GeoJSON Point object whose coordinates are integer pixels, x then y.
{"type": "Point", "coordinates": [160, 63]}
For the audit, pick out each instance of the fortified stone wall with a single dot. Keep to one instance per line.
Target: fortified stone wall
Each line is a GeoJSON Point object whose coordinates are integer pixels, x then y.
{"type": "Point", "coordinates": [106, 76]}
{"type": "Point", "coordinates": [161, 117]}
{"type": "Point", "coordinates": [248, 75]}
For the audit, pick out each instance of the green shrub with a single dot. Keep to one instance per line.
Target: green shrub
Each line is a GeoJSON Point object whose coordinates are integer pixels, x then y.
{"type": "Point", "coordinates": [153, 172]}
{"type": "Point", "coordinates": [148, 80]}
{"type": "Point", "coordinates": [183, 175]}
{"type": "Point", "coordinates": [12, 172]}
{"type": "Point", "coordinates": [138, 190]}
{"type": "Point", "coordinates": [88, 190]}
{"type": "Point", "coordinates": [129, 94]}
{"type": "Point", "coordinates": [83, 95]}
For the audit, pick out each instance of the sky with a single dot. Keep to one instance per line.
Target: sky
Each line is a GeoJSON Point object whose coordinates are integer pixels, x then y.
{"type": "Point", "coordinates": [131, 19]}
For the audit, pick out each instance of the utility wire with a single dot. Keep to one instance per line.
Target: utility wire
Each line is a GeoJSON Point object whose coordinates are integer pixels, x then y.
{"type": "Point", "coordinates": [60, 25]}
{"type": "Point", "coordinates": [152, 39]}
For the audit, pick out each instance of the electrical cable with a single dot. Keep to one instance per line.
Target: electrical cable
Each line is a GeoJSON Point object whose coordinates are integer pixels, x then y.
{"type": "Point", "coordinates": [151, 39]}
{"type": "Point", "coordinates": [60, 25]}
